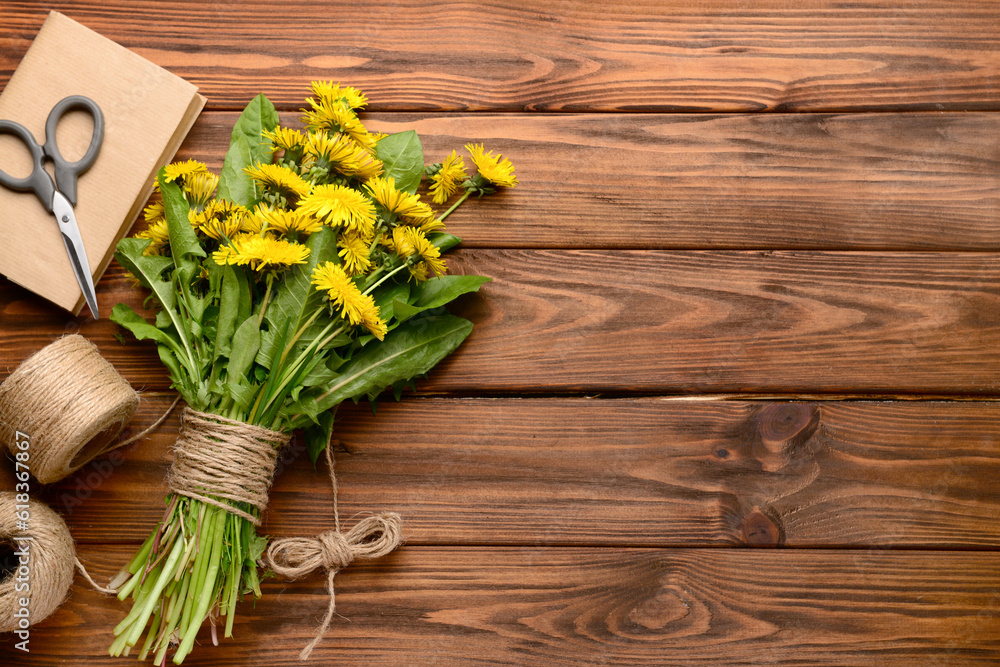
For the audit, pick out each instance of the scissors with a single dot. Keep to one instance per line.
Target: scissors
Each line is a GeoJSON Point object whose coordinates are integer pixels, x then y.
{"type": "Point", "coordinates": [59, 197]}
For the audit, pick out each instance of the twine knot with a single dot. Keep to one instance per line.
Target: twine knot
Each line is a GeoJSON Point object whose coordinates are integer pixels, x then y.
{"type": "Point", "coordinates": [294, 557]}
{"type": "Point", "coordinates": [372, 537]}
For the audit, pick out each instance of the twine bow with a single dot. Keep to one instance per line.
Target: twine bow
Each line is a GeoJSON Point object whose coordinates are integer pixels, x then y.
{"type": "Point", "coordinates": [294, 557]}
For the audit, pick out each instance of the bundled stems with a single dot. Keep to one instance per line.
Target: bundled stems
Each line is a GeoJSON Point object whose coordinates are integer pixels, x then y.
{"type": "Point", "coordinates": [197, 565]}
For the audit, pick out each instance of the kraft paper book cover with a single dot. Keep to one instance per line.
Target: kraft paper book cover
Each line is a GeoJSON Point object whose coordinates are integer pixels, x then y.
{"type": "Point", "coordinates": [147, 113]}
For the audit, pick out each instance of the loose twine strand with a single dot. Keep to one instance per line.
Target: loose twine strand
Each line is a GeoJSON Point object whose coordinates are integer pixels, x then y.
{"type": "Point", "coordinates": [294, 557]}
{"type": "Point", "coordinates": [138, 436]}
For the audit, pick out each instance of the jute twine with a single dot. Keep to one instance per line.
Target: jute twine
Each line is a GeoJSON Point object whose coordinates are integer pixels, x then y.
{"type": "Point", "coordinates": [47, 567]}
{"type": "Point", "coordinates": [218, 459]}
{"type": "Point", "coordinates": [70, 402]}
{"type": "Point", "coordinates": [294, 557]}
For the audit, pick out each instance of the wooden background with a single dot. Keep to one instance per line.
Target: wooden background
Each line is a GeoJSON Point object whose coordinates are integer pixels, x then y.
{"type": "Point", "coordinates": [747, 295]}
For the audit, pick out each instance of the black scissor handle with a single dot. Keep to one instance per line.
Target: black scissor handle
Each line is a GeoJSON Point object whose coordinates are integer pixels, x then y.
{"type": "Point", "coordinates": [67, 172]}
{"type": "Point", "coordinates": [38, 180]}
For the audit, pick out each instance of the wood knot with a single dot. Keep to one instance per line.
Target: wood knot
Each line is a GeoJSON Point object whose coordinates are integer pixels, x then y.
{"type": "Point", "coordinates": [781, 423]}
{"type": "Point", "coordinates": [779, 429]}
{"type": "Point", "coordinates": [760, 530]}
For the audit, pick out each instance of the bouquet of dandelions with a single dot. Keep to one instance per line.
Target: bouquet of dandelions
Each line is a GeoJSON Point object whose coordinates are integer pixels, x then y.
{"type": "Point", "coordinates": [308, 273]}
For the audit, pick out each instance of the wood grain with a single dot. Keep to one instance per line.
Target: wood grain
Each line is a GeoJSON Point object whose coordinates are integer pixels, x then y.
{"type": "Point", "coordinates": [669, 322]}
{"type": "Point", "coordinates": [527, 606]}
{"type": "Point", "coordinates": [648, 472]}
{"type": "Point", "coordinates": [668, 181]}
{"type": "Point", "coordinates": [569, 55]}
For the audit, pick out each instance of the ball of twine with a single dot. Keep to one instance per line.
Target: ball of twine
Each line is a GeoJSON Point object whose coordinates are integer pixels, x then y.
{"type": "Point", "coordinates": [70, 402]}
{"type": "Point", "coordinates": [48, 569]}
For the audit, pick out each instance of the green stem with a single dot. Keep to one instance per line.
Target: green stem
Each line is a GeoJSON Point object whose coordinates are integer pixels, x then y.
{"type": "Point", "coordinates": [387, 276]}
{"type": "Point", "coordinates": [297, 336]}
{"type": "Point", "coordinates": [117, 646]}
{"type": "Point", "coordinates": [154, 629]}
{"type": "Point", "coordinates": [205, 597]}
{"type": "Point", "coordinates": [127, 589]}
{"type": "Point", "coordinates": [154, 596]}
{"type": "Point", "coordinates": [175, 615]}
{"type": "Point", "coordinates": [295, 365]}
{"type": "Point", "coordinates": [182, 330]}
{"type": "Point", "coordinates": [234, 590]}
{"type": "Point", "coordinates": [455, 205]}
{"type": "Point", "coordinates": [267, 298]}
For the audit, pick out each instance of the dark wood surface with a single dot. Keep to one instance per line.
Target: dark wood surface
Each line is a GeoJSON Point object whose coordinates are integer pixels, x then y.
{"type": "Point", "coordinates": [732, 395]}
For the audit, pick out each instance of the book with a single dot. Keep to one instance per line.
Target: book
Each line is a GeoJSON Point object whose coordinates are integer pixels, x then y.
{"type": "Point", "coordinates": [147, 113]}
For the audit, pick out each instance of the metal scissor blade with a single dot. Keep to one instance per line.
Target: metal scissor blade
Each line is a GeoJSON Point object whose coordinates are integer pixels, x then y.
{"type": "Point", "coordinates": [63, 211]}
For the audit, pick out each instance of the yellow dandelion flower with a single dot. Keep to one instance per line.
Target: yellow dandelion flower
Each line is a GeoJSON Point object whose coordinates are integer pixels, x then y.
{"type": "Point", "coordinates": [284, 222]}
{"type": "Point", "coordinates": [401, 243]}
{"type": "Point", "coordinates": [228, 253]}
{"type": "Point", "coordinates": [431, 224]}
{"type": "Point", "coordinates": [159, 235]}
{"type": "Point", "coordinates": [252, 222]}
{"type": "Point", "coordinates": [354, 252]}
{"type": "Point", "coordinates": [279, 179]}
{"type": "Point", "coordinates": [263, 253]}
{"type": "Point", "coordinates": [494, 168]}
{"type": "Point", "coordinates": [335, 117]}
{"type": "Point", "coordinates": [331, 92]}
{"type": "Point", "coordinates": [378, 136]}
{"type": "Point", "coordinates": [423, 216]}
{"type": "Point", "coordinates": [409, 241]}
{"type": "Point", "coordinates": [419, 272]}
{"type": "Point", "coordinates": [342, 153]}
{"type": "Point", "coordinates": [220, 219]}
{"type": "Point", "coordinates": [200, 188]}
{"type": "Point", "coordinates": [340, 206]}
{"type": "Point", "coordinates": [371, 317]}
{"type": "Point", "coordinates": [154, 212]}
{"type": "Point", "coordinates": [221, 228]}
{"type": "Point", "coordinates": [446, 181]}
{"type": "Point", "coordinates": [284, 139]}
{"type": "Point", "coordinates": [342, 292]}
{"type": "Point", "coordinates": [183, 169]}
{"type": "Point", "coordinates": [397, 201]}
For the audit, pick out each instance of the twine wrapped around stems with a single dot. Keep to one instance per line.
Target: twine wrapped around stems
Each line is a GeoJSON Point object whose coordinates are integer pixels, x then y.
{"type": "Point", "coordinates": [217, 458]}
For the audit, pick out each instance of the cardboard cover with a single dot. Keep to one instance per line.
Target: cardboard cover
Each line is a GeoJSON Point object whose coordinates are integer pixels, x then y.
{"type": "Point", "coordinates": [147, 113]}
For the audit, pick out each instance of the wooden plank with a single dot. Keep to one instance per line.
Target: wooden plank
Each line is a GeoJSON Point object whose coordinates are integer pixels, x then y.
{"type": "Point", "coordinates": [811, 181]}
{"type": "Point", "coordinates": [568, 55]}
{"type": "Point", "coordinates": [669, 322]}
{"type": "Point", "coordinates": [504, 606]}
{"type": "Point", "coordinates": [595, 472]}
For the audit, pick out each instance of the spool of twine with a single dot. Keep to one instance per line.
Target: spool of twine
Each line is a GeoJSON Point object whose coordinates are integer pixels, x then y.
{"type": "Point", "coordinates": [47, 567]}
{"type": "Point", "coordinates": [70, 402]}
